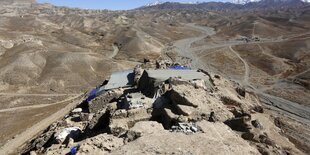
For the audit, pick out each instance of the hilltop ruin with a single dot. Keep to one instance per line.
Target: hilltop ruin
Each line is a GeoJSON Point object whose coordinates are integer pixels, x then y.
{"type": "Point", "coordinates": [154, 108]}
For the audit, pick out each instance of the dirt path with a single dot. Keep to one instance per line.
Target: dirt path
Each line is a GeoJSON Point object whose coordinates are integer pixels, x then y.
{"type": "Point", "coordinates": [292, 109]}
{"type": "Point", "coordinates": [304, 72]}
{"type": "Point", "coordinates": [184, 46]}
{"type": "Point", "coordinates": [298, 35]}
{"type": "Point", "coordinates": [270, 55]}
{"type": "Point", "coordinates": [295, 110]}
{"type": "Point", "coordinates": [12, 146]}
{"type": "Point", "coordinates": [231, 43]}
{"type": "Point", "coordinates": [37, 95]}
{"type": "Point", "coordinates": [39, 105]}
{"type": "Point", "coordinates": [115, 52]}
{"type": "Point", "coordinates": [234, 43]}
{"type": "Point", "coordinates": [246, 67]}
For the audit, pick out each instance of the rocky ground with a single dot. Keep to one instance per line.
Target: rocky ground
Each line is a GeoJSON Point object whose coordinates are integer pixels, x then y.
{"type": "Point", "coordinates": [213, 116]}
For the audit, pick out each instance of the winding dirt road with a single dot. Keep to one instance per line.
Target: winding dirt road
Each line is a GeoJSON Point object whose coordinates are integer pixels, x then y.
{"type": "Point", "coordinates": [183, 48]}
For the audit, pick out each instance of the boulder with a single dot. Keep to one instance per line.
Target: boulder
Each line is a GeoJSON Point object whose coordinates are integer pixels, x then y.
{"type": "Point", "coordinates": [195, 103]}
{"type": "Point", "coordinates": [100, 120]}
{"type": "Point", "coordinates": [257, 124]}
{"type": "Point", "coordinates": [241, 91]}
{"type": "Point", "coordinates": [103, 100]}
{"type": "Point", "coordinates": [143, 128]}
{"type": "Point", "coordinates": [119, 127]}
{"type": "Point", "coordinates": [85, 117]}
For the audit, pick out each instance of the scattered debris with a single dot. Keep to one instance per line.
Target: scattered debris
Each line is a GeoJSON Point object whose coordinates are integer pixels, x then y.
{"type": "Point", "coordinates": [187, 128]}
{"type": "Point", "coordinates": [77, 110]}
{"type": "Point", "coordinates": [72, 132]}
{"type": "Point", "coordinates": [136, 101]}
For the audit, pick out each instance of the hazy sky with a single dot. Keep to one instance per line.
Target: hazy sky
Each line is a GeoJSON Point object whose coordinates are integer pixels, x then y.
{"type": "Point", "coordinates": [109, 4]}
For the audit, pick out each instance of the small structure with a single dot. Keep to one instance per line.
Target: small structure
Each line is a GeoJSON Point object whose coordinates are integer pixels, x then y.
{"type": "Point", "coordinates": [123, 79]}
{"type": "Point", "coordinates": [120, 80]}
{"type": "Point", "coordinates": [256, 39]}
{"type": "Point", "coordinates": [152, 79]}
{"type": "Point", "coordinates": [249, 39]}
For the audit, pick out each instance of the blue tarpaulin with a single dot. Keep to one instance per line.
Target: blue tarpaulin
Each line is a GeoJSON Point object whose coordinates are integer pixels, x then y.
{"type": "Point", "coordinates": [180, 68]}
{"type": "Point", "coordinates": [118, 80]}
{"type": "Point", "coordinates": [92, 94]}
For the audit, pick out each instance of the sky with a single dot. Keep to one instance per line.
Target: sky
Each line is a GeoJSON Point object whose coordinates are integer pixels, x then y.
{"type": "Point", "coordinates": [109, 4]}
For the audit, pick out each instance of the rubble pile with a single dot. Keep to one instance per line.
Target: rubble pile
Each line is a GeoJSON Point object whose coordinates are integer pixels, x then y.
{"type": "Point", "coordinates": [187, 128]}
{"type": "Point", "coordinates": [160, 107]}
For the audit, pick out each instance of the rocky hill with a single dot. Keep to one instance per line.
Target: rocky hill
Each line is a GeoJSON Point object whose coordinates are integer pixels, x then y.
{"type": "Point", "coordinates": [196, 111]}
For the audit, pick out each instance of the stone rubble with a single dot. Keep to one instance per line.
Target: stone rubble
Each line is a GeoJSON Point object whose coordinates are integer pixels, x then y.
{"type": "Point", "coordinates": [199, 116]}
{"type": "Point", "coordinates": [187, 128]}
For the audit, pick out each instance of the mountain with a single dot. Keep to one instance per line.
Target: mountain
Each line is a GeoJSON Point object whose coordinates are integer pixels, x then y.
{"type": "Point", "coordinates": [7, 2]}
{"type": "Point", "coordinates": [234, 5]}
{"type": "Point", "coordinates": [243, 1]}
{"type": "Point", "coordinates": [158, 2]}
{"type": "Point", "coordinates": [196, 6]}
{"type": "Point", "coordinates": [154, 3]}
{"type": "Point", "coordinates": [250, 1]}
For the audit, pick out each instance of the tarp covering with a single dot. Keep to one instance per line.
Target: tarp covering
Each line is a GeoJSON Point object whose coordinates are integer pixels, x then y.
{"type": "Point", "coordinates": [180, 68]}
{"type": "Point", "coordinates": [117, 80]}
{"type": "Point", "coordinates": [160, 76]}
{"type": "Point", "coordinates": [92, 94]}
{"type": "Point", "coordinates": [120, 80]}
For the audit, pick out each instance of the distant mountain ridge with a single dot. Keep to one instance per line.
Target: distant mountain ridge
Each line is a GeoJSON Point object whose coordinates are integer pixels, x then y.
{"type": "Point", "coordinates": [158, 2]}
{"type": "Point", "coordinates": [16, 1]}
{"type": "Point", "coordinates": [234, 5]}
{"type": "Point", "coordinates": [250, 1]}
